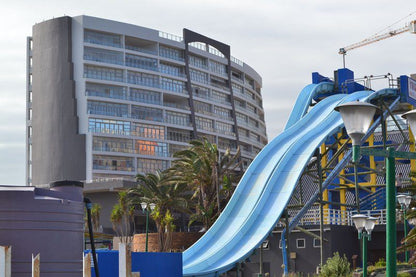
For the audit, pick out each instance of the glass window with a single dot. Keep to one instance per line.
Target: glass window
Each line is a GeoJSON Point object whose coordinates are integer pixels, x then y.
{"type": "Point", "coordinates": [224, 128]}
{"type": "Point", "coordinates": [222, 112]}
{"type": "Point", "coordinates": [171, 53]}
{"type": "Point", "coordinates": [198, 62]}
{"type": "Point", "coordinates": [221, 97]}
{"type": "Point", "coordinates": [201, 107]}
{"type": "Point", "coordinates": [106, 126]}
{"type": "Point", "coordinates": [237, 88]}
{"type": "Point", "coordinates": [204, 124]}
{"type": "Point", "coordinates": [280, 244]}
{"type": "Point", "coordinates": [173, 85]}
{"type": "Point", "coordinates": [142, 79]}
{"type": "Point", "coordinates": [141, 62]}
{"type": "Point", "coordinates": [316, 243]}
{"type": "Point", "coordinates": [217, 67]}
{"type": "Point", "coordinates": [107, 91]}
{"type": "Point", "coordinates": [106, 144]}
{"type": "Point", "coordinates": [177, 118]}
{"type": "Point", "coordinates": [103, 73]}
{"type": "Point", "coordinates": [224, 143]}
{"type": "Point", "coordinates": [201, 92]}
{"type": "Point", "coordinates": [112, 163]}
{"type": "Point", "coordinates": [148, 131]}
{"type": "Point", "coordinates": [151, 148]}
{"type": "Point", "coordinates": [102, 55]}
{"type": "Point", "coordinates": [145, 113]}
{"type": "Point", "coordinates": [198, 76]}
{"type": "Point", "coordinates": [179, 135]}
{"type": "Point", "coordinates": [145, 96]}
{"type": "Point", "coordinates": [106, 108]}
{"type": "Point", "coordinates": [102, 38]}
{"type": "Point", "coordinates": [151, 165]}
{"type": "Point", "coordinates": [300, 243]}
{"type": "Point", "coordinates": [172, 69]}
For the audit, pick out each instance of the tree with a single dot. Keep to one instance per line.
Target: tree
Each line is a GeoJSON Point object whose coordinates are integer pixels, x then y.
{"type": "Point", "coordinates": [168, 195]}
{"type": "Point", "coordinates": [211, 176]}
{"type": "Point", "coordinates": [122, 218]}
{"type": "Point", "coordinates": [95, 216]}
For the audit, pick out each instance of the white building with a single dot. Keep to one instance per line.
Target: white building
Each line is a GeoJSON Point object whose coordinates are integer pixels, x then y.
{"type": "Point", "coordinates": [109, 100]}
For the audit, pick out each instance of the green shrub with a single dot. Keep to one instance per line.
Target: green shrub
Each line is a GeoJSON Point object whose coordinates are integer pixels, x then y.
{"type": "Point", "coordinates": [381, 263]}
{"type": "Point", "coordinates": [336, 266]}
{"type": "Point", "coordinates": [404, 274]}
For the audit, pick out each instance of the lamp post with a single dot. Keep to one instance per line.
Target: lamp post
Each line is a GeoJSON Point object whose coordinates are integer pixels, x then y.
{"type": "Point", "coordinates": [145, 208]}
{"type": "Point", "coordinates": [404, 201]}
{"type": "Point", "coordinates": [362, 222]}
{"type": "Point", "coordinates": [357, 117]}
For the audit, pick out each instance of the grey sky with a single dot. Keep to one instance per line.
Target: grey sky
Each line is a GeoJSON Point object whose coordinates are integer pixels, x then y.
{"type": "Point", "coordinates": [283, 40]}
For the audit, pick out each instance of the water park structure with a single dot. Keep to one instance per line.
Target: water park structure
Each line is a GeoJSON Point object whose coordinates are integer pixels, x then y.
{"type": "Point", "coordinates": [306, 175]}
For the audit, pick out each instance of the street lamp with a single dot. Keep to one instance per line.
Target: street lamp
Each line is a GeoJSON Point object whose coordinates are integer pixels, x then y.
{"type": "Point", "coordinates": [404, 201]}
{"type": "Point", "coordinates": [145, 208]}
{"type": "Point", "coordinates": [363, 222]}
{"type": "Point", "coordinates": [357, 117]}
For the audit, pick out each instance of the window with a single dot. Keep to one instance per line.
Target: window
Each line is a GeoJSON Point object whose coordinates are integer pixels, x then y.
{"type": "Point", "coordinates": [217, 67]}
{"type": "Point", "coordinates": [143, 79]}
{"type": "Point", "coordinates": [148, 131]}
{"type": "Point", "coordinates": [106, 91]}
{"type": "Point", "coordinates": [145, 113]}
{"type": "Point", "coordinates": [198, 76]}
{"type": "Point", "coordinates": [141, 62]}
{"type": "Point", "coordinates": [150, 165]}
{"type": "Point", "coordinates": [177, 118]}
{"type": "Point", "coordinates": [300, 243]}
{"type": "Point", "coordinates": [105, 108]}
{"type": "Point", "coordinates": [103, 73]}
{"type": "Point", "coordinates": [105, 126]}
{"type": "Point", "coordinates": [179, 135]}
{"type": "Point", "coordinates": [198, 62]}
{"type": "Point", "coordinates": [204, 124]}
{"type": "Point", "coordinates": [171, 53]}
{"type": "Point", "coordinates": [151, 148]}
{"type": "Point", "coordinates": [172, 85]}
{"type": "Point", "coordinates": [102, 55]}
{"type": "Point", "coordinates": [112, 163]}
{"type": "Point", "coordinates": [316, 243]}
{"type": "Point", "coordinates": [145, 96]}
{"type": "Point", "coordinates": [102, 38]}
{"type": "Point", "coordinates": [172, 70]}
{"type": "Point", "coordinates": [105, 144]}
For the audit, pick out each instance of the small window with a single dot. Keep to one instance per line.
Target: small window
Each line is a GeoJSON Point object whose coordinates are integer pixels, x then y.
{"type": "Point", "coordinates": [280, 243]}
{"type": "Point", "coordinates": [300, 243]}
{"type": "Point", "coordinates": [316, 243]}
{"type": "Point", "coordinates": [265, 245]}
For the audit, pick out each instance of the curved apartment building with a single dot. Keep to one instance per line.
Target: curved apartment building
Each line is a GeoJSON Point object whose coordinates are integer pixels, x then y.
{"type": "Point", "coordinates": [107, 99]}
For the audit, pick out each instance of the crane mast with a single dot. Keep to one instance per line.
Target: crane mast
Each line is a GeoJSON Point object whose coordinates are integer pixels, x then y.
{"type": "Point", "coordinates": [410, 27]}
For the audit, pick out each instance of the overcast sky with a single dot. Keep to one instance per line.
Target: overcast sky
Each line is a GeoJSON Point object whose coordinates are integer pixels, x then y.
{"type": "Point", "coordinates": [284, 41]}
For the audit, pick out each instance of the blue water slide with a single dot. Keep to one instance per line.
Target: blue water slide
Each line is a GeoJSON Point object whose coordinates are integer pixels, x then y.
{"type": "Point", "coordinates": [263, 192]}
{"type": "Point", "coordinates": [304, 101]}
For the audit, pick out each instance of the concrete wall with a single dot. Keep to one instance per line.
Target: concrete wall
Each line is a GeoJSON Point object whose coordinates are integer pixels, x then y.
{"type": "Point", "coordinates": [58, 148]}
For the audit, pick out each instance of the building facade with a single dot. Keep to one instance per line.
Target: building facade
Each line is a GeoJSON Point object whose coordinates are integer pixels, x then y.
{"type": "Point", "coordinates": [109, 100]}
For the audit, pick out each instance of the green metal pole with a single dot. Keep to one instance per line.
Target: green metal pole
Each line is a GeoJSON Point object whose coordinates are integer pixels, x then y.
{"type": "Point", "coordinates": [364, 238]}
{"type": "Point", "coordinates": [391, 214]}
{"type": "Point", "coordinates": [406, 253]}
{"type": "Point", "coordinates": [147, 227]}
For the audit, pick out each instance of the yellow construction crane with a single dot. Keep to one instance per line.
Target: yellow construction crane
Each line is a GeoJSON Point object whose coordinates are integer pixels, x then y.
{"type": "Point", "coordinates": [409, 27]}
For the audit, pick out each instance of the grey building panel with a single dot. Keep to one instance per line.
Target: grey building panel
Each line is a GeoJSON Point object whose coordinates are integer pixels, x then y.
{"type": "Point", "coordinates": [58, 149]}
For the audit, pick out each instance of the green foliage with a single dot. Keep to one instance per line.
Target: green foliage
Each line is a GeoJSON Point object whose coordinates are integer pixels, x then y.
{"type": "Point", "coordinates": [122, 217]}
{"type": "Point", "coordinates": [380, 263]}
{"type": "Point", "coordinates": [168, 195]}
{"type": "Point", "coordinates": [404, 274]}
{"type": "Point", "coordinates": [95, 216]}
{"type": "Point", "coordinates": [209, 174]}
{"type": "Point", "coordinates": [336, 266]}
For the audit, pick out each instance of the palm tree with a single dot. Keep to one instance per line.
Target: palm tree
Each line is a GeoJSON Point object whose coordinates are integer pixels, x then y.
{"type": "Point", "coordinates": [168, 196]}
{"type": "Point", "coordinates": [210, 176]}
{"type": "Point", "coordinates": [122, 218]}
